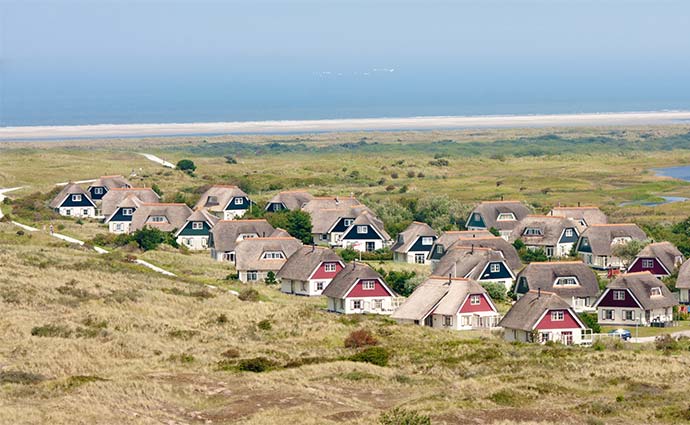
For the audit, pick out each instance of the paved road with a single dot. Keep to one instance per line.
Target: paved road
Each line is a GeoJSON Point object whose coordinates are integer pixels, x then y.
{"type": "Point", "coordinates": [158, 160]}
{"type": "Point", "coordinates": [652, 338]}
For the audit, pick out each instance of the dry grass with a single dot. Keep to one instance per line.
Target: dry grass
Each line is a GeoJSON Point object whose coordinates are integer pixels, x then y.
{"type": "Point", "coordinates": [129, 346]}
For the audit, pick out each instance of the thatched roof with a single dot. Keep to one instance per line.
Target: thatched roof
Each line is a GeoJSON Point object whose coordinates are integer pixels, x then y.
{"type": "Point", "coordinates": [175, 216]}
{"type": "Point", "coordinates": [217, 197]}
{"type": "Point", "coordinates": [588, 215]}
{"type": "Point", "coordinates": [410, 235]}
{"type": "Point", "coordinates": [665, 252]}
{"type": "Point", "coordinates": [292, 199]}
{"type": "Point", "coordinates": [683, 281]}
{"type": "Point", "coordinates": [489, 210]}
{"type": "Point", "coordinates": [544, 275]}
{"type": "Point", "coordinates": [600, 236]}
{"type": "Point", "coordinates": [496, 243]}
{"type": "Point", "coordinates": [467, 262]}
{"type": "Point", "coordinates": [225, 234]}
{"type": "Point", "coordinates": [302, 264]}
{"type": "Point", "coordinates": [641, 284]}
{"type": "Point", "coordinates": [111, 182]}
{"type": "Point", "coordinates": [343, 281]}
{"type": "Point", "coordinates": [112, 200]}
{"type": "Point", "coordinates": [249, 253]}
{"type": "Point", "coordinates": [551, 228]}
{"type": "Point", "coordinates": [68, 190]}
{"type": "Point", "coordinates": [525, 313]}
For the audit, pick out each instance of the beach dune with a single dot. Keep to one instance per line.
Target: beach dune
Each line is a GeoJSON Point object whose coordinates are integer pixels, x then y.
{"type": "Point", "coordinates": [67, 132]}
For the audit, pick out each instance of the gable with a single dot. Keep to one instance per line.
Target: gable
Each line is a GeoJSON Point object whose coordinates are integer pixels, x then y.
{"type": "Point", "coordinates": [238, 203]}
{"type": "Point", "coordinates": [340, 225]}
{"type": "Point", "coordinates": [548, 321]}
{"type": "Point", "coordinates": [276, 206]}
{"type": "Point", "coordinates": [584, 245]}
{"type": "Point", "coordinates": [568, 239]}
{"type": "Point", "coordinates": [608, 300]}
{"type": "Point", "coordinates": [483, 305]}
{"type": "Point", "coordinates": [354, 234]}
{"type": "Point", "coordinates": [188, 229]}
{"type": "Point", "coordinates": [419, 246]}
{"type": "Point", "coordinates": [358, 291]}
{"type": "Point", "coordinates": [642, 264]}
{"type": "Point", "coordinates": [83, 202]}
{"type": "Point", "coordinates": [498, 271]}
{"type": "Point", "coordinates": [476, 220]}
{"type": "Point", "coordinates": [118, 216]}
{"type": "Point", "coordinates": [321, 273]}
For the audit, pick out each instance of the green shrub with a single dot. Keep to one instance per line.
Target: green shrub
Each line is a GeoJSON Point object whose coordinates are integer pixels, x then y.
{"type": "Point", "coordinates": [375, 355]}
{"type": "Point", "coordinates": [265, 325]}
{"type": "Point", "coordinates": [666, 343]}
{"type": "Point", "coordinates": [399, 416]}
{"type": "Point", "coordinates": [497, 291]}
{"type": "Point", "coordinates": [18, 377]}
{"type": "Point", "coordinates": [51, 331]}
{"type": "Point", "coordinates": [590, 320]}
{"type": "Point", "coordinates": [256, 365]}
{"type": "Point", "coordinates": [186, 165]}
{"type": "Point", "coordinates": [360, 338]}
{"type": "Point", "coordinates": [249, 294]}
{"type": "Point", "coordinates": [270, 278]}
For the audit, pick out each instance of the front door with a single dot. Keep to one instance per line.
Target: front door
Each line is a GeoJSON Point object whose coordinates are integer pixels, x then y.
{"type": "Point", "coordinates": [429, 321]}
{"type": "Point", "coordinates": [371, 246]}
{"type": "Point", "coordinates": [567, 338]}
{"type": "Point", "coordinates": [419, 258]}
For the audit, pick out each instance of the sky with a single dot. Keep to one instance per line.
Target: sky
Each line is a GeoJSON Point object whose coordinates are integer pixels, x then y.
{"type": "Point", "coordinates": [158, 61]}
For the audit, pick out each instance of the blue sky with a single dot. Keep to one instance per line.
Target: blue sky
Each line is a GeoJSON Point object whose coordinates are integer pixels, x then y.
{"type": "Point", "coordinates": [284, 57]}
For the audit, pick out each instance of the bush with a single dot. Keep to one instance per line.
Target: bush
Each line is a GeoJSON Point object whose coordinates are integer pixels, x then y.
{"type": "Point", "coordinates": [249, 295]}
{"type": "Point", "coordinates": [229, 159]}
{"type": "Point", "coordinates": [411, 174]}
{"type": "Point", "coordinates": [666, 343]}
{"type": "Point", "coordinates": [374, 355]}
{"type": "Point", "coordinates": [497, 291]}
{"type": "Point", "coordinates": [265, 325]}
{"type": "Point", "coordinates": [400, 281]}
{"type": "Point", "coordinates": [590, 320]}
{"type": "Point", "coordinates": [256, 365]}
{"type": "Point", "coordinates": [231, 353]}
{"type": "Point", "coordinates": [270, 278]}
{"type": "Point", "coordinates": [296, 223]}
{"type": "Point", "coordinates": [399, 416]}
{"type": "Point", "coordinates": [360, 338]}
{"type": "Point", "coordinates": [51, 331]}
{"type": "Point", "coordinates": [18, 377]}
{"type": "Point", "coordinates": [186, 165]}
{"type": "Point", "coordinates": [440, 162]}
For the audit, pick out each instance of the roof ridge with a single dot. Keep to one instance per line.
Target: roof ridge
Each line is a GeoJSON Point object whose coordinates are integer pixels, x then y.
{"type": "Point", "coordinates": [433, 276]}
{"type": "Point", "coordinates": [163, 204]}
{"type": "Point", "coordinates": [555, 262]}
{"type": "Point", "coordinates": [612, 224]}
{"type": "Point", "coordinates": [496, 202]}
{"type": "Point", "coordinates": [576, 208]}
{"type": "Point", "coordinates": [245, 220]}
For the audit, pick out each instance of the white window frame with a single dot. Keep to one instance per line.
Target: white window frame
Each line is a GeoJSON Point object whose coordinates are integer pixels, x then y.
{"type": "Point", "coordinates": [533, 231]}
{"type": "Point", "coordinates": [197, 225]}
{"type": "Point", "coordinates": [557, 316]}
{"type": "Point", "coordinates": [329, 267]}
{"type": "Point", "coordinates": [84, 211]}
{"type": "Point", "coordinates": [319, 286]}
{"type": "Point", "coordinates": [239, 201]}
{"type": "Point", "coordinates": [647, 263]}
{"type": "Point", "coordinates": [127, 211]}
{"type": "Point", "coordinates": [568, 233]}
{"type": "Point", "coordinates": [629, 312]}
{"type": "Point", "coordinates": [157, 219]}
{"type": "Point", "coordinates": [566, 281]}
{"type": "Point", "coordinates": [475, 299]}
{"type": "Point", "coordinates": [447, 320]}
{"type": "Point", "coordinates": [618, 295]}
{"type": "Point", "coordinates": [427, 240]}
{"type": "Point", "coordinates": [477, 217]}
{"type": "Point", "coordinates": [98, 190]}
{"type": "Point", "coordinates": [118, 226]}
{"type": "Point", "coordinates": [368, 285]}
{"type": "Point", "coordinates": [273, 255]}
{"type": "Point", "coordinates": [377, 304]}
{"type": "Point", "coordinates": [608, 314]}
{"type": "Point", "coordinates": [348, 222]}
{"type": "Point", "coordinates": [494, 268]}
{"type": "Point", "coordinates": [439, 249]}
{"type": "Point", "coordinates": [76, 198]}
{"type": "Point", "coordinates": [252, 275]}
{"type": "Point", "coordinates": [502, 217]}
{"type": "Point", "coordinates": [362, 230]}
{"type": "Point", "coordinates": [655, 292]}
{"type": "Point", "coordinates": [419, 258]}
{"type": "Point", "coordinates": [356, 304]}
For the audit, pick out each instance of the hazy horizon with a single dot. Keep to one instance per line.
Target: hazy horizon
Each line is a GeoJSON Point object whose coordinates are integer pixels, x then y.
{"type": "Point", "coordinates": [74, 62]}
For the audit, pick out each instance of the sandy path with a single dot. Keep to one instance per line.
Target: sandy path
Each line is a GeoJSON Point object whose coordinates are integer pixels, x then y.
{"type": "Point", "coordinates": [158, 160]}
{"type": "Point", "coordinates": [355, 124]}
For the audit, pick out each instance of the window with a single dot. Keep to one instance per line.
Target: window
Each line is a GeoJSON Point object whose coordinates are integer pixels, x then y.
{"type": "Point", "coordinates": [378, 304]}
{"type": "Point", "coordinates": [629, 314]}
{"type": "Point", "coordinates": [447, 320]}
{"type": "Point", "coordinates": [239, 201]}
{"type": "Point", "coordinates": [368, 284]}
{"type": "Point", "coordinates": [619, 295]}
{"type": "Point", "coordinates": [647, 263]}
{"type": "Point", "coordinates": [475, 299]}
{"type": "Point", "coordinates": [362, 230]}
{"type": "Point", "coordinates": [273, 255]}
{"type": "Point", "coordinates": [607, 314]}
{"type": "Point", "coordinates": [348, 222]}
{"type": "Point", "coordinates": [98, 191]}
{"type": "Point", "coordinates": [370, 247]}
{"type": "Point", "coordinates": [495, 267]}
{"type": "Point", "coordinates": [252, 275]}
{"type": "Point", "coordinates": [566, 281]}
{"type": "Point", "coordinates": [532, 231]}
{"type": "Point", "coordinates": [212, 200]}
{"type": "Point", "coordinates": [197, 225]}
{"type": "Point", "coordinates": [477, 217]}
{"type": "Point", "coordinates": [439, 249]}
{"type": "Point", "coordinates": [304, 286]}
{"type": "Point", "coordinates": [549, 251]}
{"type": "Point", "coordinates": [319, 286]}
{"type": "Point", "coordinates": [84, 212]}
{"type": "Point", "coordinates": [427, 241]}
{"type": "Point", "coordinates": [118, 226]}
{"type": "Point", "coordinates": [329, 267]}
{"type": "Point", "coordinates": [68, 211]}
{"type": "Point", "coordinates": [127, 211]}
{"type": "Point", "coordinates": [506, 217]}
{"type": "Point", "coordinates": [324, 237]}
{"type": "Point", "coordinates": [187, 241]}
{"type": "Point", "coordinates": [557, 316]}
{"type": "Point", "coordinates": [656, 292]}
{"type": "Point", "coordinates": [568, 233]}
{"type": "Point", "coordinates": [543, 337]}
{"type": "Point", "coordinates": [76, 198]}
{"type": "Point", "coordinates": [419, 258]}
{"type": "Point", "coordinates": [356, 304]}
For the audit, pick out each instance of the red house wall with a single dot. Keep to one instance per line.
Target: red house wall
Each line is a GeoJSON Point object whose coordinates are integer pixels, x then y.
{"type": "Point", "coordinates": [358, 292]}
{"type": "Point", "coordinates": [483, 305]}
{"type": "Point", "coordinates": [608, 300]}
{"type": "Point", "coordinates": [568, 321]}
{"type": "Point", "coordinates": [658, 269]}
{"type": "Point", "coordinates": [321, 272]}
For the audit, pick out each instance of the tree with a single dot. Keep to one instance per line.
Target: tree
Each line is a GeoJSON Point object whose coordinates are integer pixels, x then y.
{"type": "Point", "coordinates": [401, 281]}
{"type": "Point", "coordinates": [270, 278]}
{"type": "Point", "coordinates": [494, 231]}
{"type": "Point", "coordinates": [297, 223]}
{"type": "Point", "coordinates": [627, 251]}
{"type": "Point", "coordinates": [186, 165]}
{"type": "Point", "coordinates": [149, 238]}
{"type": "Point", "coordinates": [497, 291]}
{"type": "Point", "coordinates": [590, 320]}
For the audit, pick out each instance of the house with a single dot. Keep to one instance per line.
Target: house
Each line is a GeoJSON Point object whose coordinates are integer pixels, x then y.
{"type": "Point", "coordinates": [582, 216]}
{"type": "Point", "coordinates": [318, 203]}
{"type": "Point", "coordinates": [449, 238]}
{"type": "Point", "coordinates": [659, 258]}
{"type": "Point", "coordinates": [73, 201]}
{"type": "Point", "coordinates": [330, 217]}
{"type": "Point", "coordinates": [480, 264]}
{"type": "Point", "coordinates": [309, 271]}
{"type": "Point", "coordinates": [414, 244]}
{"type": "Point", "coordinates": [683, 283]}
{"type": "Point", "coordinates": [635, 299]}
{"type": "Point", "coordinates": [196, 230]}
{"type": "Point", "coordinates": [359, 289]}
{"type": "Point", "coordinates": [101, 186]}
{"type": "Point", "coordinates": [555, 235]}
{"type": "Point", "coordinates": [365, 234]}
{"type": "Point", "coordinates": [255, 258]}
{"type": "Point", "coordinates": [495, 243]}
{"type": "Point", "coordinates": [500, 215]}
{"type": "Point", "coordinates": [165, 217]}
{"type": "Point", "coordinates": [573, 281]}
{"type": "Point", "coordinates": [227, 202]}
{"type": "Point", "coordinates": [118, 206]}
{"type": "Point", "coordinates": [226, 234]}
{"type": "Point", "coordinates": [542, 316]}
{"type": "Point", "coordinates": [288, 200]}
{"type": "Point", "coordinates": [597, 242]}
{"type": "Point", "coordinates": [449, 303]}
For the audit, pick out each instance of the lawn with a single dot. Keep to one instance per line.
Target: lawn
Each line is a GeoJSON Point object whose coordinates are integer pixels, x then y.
{"type": "Point", "coordinates": [644, 331]}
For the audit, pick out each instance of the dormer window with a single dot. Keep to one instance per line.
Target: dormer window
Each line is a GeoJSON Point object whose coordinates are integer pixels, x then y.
{"type": "Point", "coordinates": [127, 211]}
{"type": "Point", "coordinates": [566, 281]}
{"type": "Point", "coordinates": [157, 219]}
{"type": "Point", "coordinates": [656, 292]}
{"type": "Point", "coordinates": [647, 263]}
{"type": "Point", "coordinates": [401, 239]}
{"type": "Point", "coordinates": [76, 198]}
{"type": "Point", "coordinates": [506, 217]}
{"type": "Point", "coordinates": [239, 201]}
{"type": "Point", "coordinates": [368, 285]}
{"type": "Point", "coordinates": [427, 241]}
{"type": "Point", "coordinates": [585, 242]}
{"type": "Point", "coordinates": [619, 295]}
{"type": "Point", "coordinates": [197, 225]}
{"type": "Point", "coordinates": [212, 200]}
{"type": "Point", "coordinates": [273, 255]}
{"type": "Point", "coordinates": [98, 190]}
{"type": "Point", "coordinates": [348, 222]}
{"type": "Point", "coordinates": [329, 267]}
{"type": "Point", "coordinates": [362, 230]}
{"type": "Point", "coordinates": [568, 233]}
{"type": "Point", "coordinates": [439, 249]}
{"type": "Point", "coordinates": [495, 268]}
{"type": "Point", "coordinates": [477, 217]}
{"type": "Point", "coordinates": [557, 316]}
{"type": "Point", "coordinates": [532, 231]}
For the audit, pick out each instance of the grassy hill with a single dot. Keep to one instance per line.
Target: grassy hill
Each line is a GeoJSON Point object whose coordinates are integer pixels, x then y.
{"type": "Point", "coordinates": [94, 339]}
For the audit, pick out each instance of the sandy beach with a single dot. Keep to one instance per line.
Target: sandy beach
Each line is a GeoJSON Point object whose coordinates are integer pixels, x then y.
{"type": "Point", "coordinates": [332, 125]}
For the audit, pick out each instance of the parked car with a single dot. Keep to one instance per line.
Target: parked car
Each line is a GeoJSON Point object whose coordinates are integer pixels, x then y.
{"type": "Point", "coordinates": [623, 334]}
